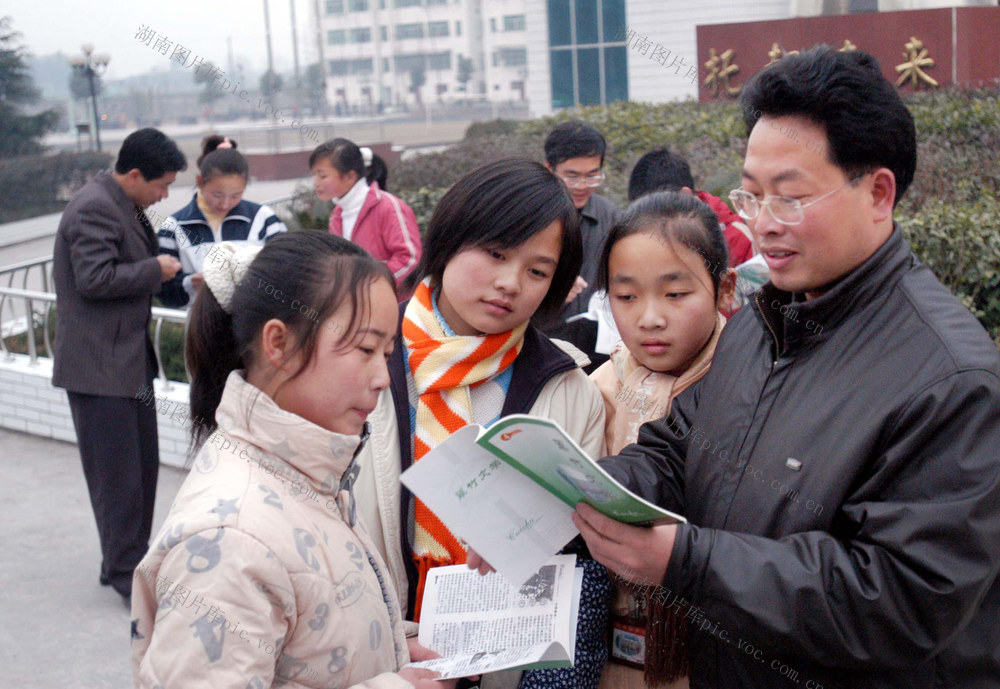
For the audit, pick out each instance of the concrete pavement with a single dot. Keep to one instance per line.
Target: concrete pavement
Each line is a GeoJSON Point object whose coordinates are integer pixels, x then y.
{"type": "Point", "coordinates": [58, 626]}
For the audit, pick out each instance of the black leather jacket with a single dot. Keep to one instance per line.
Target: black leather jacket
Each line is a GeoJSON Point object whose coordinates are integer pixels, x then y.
{"type": "Point", "coordinates": [840, 469]}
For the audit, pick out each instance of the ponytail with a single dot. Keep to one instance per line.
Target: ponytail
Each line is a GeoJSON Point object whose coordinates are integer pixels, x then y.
{"type": "Point", "coordinates": [346, 156]}
{"type": "Point", "coordinates": [316, 273]}
{"type": "Point", "coordinates": [211, 353]}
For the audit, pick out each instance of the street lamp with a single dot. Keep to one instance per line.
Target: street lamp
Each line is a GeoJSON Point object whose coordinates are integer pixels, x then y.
{"type": "Point", "coordinates": [90, 66]}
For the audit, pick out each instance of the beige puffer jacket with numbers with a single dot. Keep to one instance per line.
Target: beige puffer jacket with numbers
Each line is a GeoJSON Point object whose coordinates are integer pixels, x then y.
{"type": "Point", "coordinates": [256, 579]}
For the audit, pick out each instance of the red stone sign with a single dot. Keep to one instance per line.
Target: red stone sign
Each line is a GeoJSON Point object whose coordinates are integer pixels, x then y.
{"type": "Point", "coordinates": [921, 49]}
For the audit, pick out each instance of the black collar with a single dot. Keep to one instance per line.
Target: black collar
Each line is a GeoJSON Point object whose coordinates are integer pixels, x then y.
{"type": "Point", "coordinates": [793, 322]}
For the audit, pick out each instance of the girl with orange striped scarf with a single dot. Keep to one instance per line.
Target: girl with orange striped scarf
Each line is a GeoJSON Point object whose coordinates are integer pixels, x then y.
{"type": "Point", "coordinates": [503, 244]}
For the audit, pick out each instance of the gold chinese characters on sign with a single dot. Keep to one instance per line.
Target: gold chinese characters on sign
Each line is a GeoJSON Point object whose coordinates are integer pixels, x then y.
{"type": "Point", "coordinates": [719, 71]}
{"type": "Point", "coordinates": [913, 69]}
{"type": "Point", "coordinates": [721, 68]}
{"type": "Point", "coordinates": [776, 53]}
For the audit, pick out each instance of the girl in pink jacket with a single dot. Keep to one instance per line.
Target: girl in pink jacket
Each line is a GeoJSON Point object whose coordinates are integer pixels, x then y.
{"type": "Point", "coordinates": [366, 214]}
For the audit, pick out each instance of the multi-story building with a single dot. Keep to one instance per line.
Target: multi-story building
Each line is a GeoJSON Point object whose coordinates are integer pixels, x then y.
{"type": "Point", "coordinates": [395, 51]}
{"type": "Point", "coordinates": [554, 54]}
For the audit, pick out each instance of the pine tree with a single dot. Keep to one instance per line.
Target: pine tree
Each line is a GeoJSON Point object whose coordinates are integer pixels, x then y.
{"type": "Point", "coordinates": [20, 134]}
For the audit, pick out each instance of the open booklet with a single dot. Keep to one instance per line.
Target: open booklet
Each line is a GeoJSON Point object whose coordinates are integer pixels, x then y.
{"type": "Point", "coordinates": [508, 491]}
{"type": "Point", "coordinates": [483, 624]}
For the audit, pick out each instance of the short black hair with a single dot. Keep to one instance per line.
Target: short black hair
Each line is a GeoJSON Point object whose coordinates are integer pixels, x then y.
{"type": "Point", "coordinates": [866, 122]}
{"type": "Point", "coordinates": [503, 204]}
{"type": "Point", "coordinates": [673, 217]}
{"type": "Point", "coordinates": [150, 151]}
{"type": "Point", "coordinates": [573, 139]}
{"type": "Point", "coordinates": [659, 170]}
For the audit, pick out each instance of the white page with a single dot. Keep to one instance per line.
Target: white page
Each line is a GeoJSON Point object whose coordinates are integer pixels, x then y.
{"type": "Point", "coordinates": [483, 624]}
{"type": "Point", "coordinates": [515, 524]}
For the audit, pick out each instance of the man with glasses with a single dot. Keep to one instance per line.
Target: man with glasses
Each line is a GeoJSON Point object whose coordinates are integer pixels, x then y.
{"type": "Point", "coordinates": [839, 464]}
{"type": "Point", "coordinates": [574, 151]}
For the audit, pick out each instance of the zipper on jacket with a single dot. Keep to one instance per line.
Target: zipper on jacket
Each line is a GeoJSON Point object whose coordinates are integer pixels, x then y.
{"type": "Point", "coordinates": [350, 475]}
{"type": "Point", "coordinates": [347, 483]}
{"type": "Point", "coordinates": [774, 335]}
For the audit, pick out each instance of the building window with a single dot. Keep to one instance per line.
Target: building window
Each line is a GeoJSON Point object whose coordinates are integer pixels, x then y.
{"type": "Point", "coordinates": [496, 59]}
{"type": "Point", "coordinates": [357, 5]}
{"type": "Point", "coordinates": [587, 53]}
{"type": "Point", "coordinates": [429, 61]}
{"type": "Point", "coordinates": [336, 37]}
{"type": "Point", "coordinates": [363, 65]}
{"type": "Point", "coordinates": [385, 64]}
{"type": "Point", "coordinates": [409, 31]}
{"type": "Point", "coordinates": [436, 2]}
{"type": "Point", "coordinates": [407, 3]}
{"type": "Point", "coordinates": [437, 29]}
{"type": "Point", "coordinates": [384, 32]}
{"type": "Point", "coordinates": [513, 57]}
{"type": "Point", "coordinates": [458, 28]}
{"type": "Point", "coordinates": [560, 30]}
{"type": "Point", "coordinates": [361, 35]}
{"type": "Point", "coordinates": [493, 24]}
{"type": "Point", "coordinates": [334, 6]}
{"type": "Point", "coordinates": [439, 61]}
{"type": "Point", "coordinates": [586, 22]}
{"type": "Point", "coordinates": [513, 22]}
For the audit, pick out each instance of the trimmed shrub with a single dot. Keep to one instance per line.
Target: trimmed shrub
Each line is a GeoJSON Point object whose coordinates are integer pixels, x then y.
{"type": "Point", "coordinates": [40, 184]}
{"type": "Point", "coordinates": [950, 214]}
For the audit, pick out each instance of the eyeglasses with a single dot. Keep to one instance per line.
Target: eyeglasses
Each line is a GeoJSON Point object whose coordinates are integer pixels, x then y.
{"type": "Point", "coordinates": [787, 211]}
{"type": "Point", "coordinates": [589, 181]}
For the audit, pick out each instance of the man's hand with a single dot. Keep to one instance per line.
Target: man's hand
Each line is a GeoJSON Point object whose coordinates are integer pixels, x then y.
{"type": "Point", "coordinates": [575, 290]}
{"type": "Point", "coordinates": [197, 280]}
{"type": "Point", "coordinates": [169, 267]}
{"type": "Point", "coordinates": [636, 553]}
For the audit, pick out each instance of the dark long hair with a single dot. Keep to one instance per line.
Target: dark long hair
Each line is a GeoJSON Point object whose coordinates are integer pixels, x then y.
{"type": "Point", "coordinates": [504, 204]}
{"type": "Point", "coordinates": [315, 273]}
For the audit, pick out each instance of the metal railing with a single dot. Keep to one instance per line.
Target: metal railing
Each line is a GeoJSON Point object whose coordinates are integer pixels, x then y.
{"type": "Point", "coordinates": [37, 305]}
{"type": "Point", "coordinates": [27, 299]}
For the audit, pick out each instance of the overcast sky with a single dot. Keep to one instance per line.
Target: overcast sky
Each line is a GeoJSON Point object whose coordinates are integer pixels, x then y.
{"type": "Point", "coordinates": [49, 26]}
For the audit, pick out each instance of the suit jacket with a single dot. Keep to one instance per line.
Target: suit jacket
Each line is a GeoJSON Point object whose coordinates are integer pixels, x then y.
{"type": "Point", "coordinates": [105, 271]}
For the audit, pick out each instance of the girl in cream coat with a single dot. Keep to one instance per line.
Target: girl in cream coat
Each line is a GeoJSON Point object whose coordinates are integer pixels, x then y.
{"type": "Point", "coordinates": [261, 574]}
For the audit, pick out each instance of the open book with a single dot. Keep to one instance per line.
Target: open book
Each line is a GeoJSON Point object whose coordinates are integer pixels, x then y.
{"type": "Point", "coordinates": [483, 624]}
{"type": "Point", "coordinates": [509, 491]}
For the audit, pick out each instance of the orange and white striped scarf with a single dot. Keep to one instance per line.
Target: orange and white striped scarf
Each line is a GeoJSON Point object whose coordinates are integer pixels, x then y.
{"type": "Point", "coordinates": [445, 368]}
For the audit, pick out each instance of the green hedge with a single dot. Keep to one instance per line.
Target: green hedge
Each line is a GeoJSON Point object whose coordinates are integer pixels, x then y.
{"type": "Point", "coordinates": [40, 184]}
{"type": "Point", "coordinates": [951, 213]}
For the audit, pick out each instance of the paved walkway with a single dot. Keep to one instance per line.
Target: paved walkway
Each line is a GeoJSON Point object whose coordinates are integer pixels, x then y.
{"type": "Point", "coordinates": [58, 626]}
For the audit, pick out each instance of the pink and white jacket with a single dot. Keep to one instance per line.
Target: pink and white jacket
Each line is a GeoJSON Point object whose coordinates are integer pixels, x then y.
{"type": "Point", "coordinates": [387, 229]}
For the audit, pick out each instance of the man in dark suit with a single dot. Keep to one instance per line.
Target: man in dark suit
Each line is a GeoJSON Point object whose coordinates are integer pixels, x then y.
{"type": "Point", "coordinates": [106, 270]}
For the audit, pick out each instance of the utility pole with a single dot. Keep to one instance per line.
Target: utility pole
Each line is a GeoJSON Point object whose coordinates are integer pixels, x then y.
{"type": "Point", "coordinates": [267, 29]}
{"type": "Point", "coordinates": [319, 50]}
{"type": "Point", "coordinates": [295, 47]}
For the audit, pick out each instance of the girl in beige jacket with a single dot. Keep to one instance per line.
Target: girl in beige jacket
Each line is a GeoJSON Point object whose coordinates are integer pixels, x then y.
{"type": "Point", "coordinates": [261, 575]}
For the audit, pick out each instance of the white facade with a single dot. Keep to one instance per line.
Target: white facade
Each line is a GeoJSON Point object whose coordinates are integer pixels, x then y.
{"type": "Point", "coordinates": [667, 23]}
{"type": "Point", "coordinates": [372, 47]}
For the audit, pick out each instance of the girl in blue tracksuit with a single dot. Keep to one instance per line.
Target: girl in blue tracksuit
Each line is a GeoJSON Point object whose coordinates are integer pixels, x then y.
{"type": "Point", "coordinates": [217, 213]}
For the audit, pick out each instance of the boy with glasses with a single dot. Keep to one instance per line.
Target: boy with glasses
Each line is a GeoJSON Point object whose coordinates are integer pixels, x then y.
{"type": "Point", "coordinates": [574, 151]}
